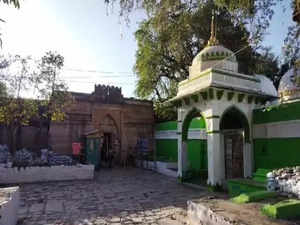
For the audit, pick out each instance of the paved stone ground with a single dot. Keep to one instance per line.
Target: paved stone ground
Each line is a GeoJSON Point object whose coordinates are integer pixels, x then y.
{"type": "Point", "coordinates": [117, 196]}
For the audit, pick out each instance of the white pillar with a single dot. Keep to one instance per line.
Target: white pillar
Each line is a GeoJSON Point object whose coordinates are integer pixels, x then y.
{"type": "Point", "coordinates": [182, 146]}
{"type": "Point", "coordinates": [215, 153]}
{"type": "Point", "coordinates": [179, 161]}
{"type": "Point", "coordinates": [247, 160]}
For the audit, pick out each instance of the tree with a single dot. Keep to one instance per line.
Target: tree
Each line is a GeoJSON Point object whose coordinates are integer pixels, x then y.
{"type": "Point", "coordinates": [21, 75]}
{"type": "Point", "coordinates": [16, 3]}
{"type": "Point", "coordinates": [53, 90]}
{"type": "Point", "coordinates": [257, 14]}
{"type": "Point", "coordinates": [165, 52]}
{"type": "Point", "coordinates": [15, 111]}
{"type": "Point", "coordinates": [3, 91]}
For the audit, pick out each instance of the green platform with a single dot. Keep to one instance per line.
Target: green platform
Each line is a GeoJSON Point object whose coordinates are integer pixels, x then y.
{"type": "Point", "coordinates": [240, 186]}
{"type": "Point", "coordinates": [287, 209]}
{"type": "Point", "coordinates": [261, 175]}
{"type": "Point", "coordinates": [253, 196]}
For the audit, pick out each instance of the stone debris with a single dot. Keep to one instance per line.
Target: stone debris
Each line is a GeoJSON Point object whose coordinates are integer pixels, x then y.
{"type": "Point", "coordinates": [285, 180]}
{"type": "Point", "coordinates": [55, 159]}
{"type": "Point", "coordinates": [4, 154]}
{"type": "Point", "coordinates": [23, 157]}
{"type": "Point", "coordinates": [26, 158]}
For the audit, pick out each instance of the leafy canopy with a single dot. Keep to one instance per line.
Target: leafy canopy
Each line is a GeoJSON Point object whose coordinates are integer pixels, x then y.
{"type": "Point", "coordinates": [166, 51]}
{"type": "Point", "coordinates": [21, 76]}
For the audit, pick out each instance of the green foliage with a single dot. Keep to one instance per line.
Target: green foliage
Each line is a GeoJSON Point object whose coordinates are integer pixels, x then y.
{"type": "Point", "coordinates": [22, 76]}
{"type": "Point", "coordinates": [3, 90]}
{"type": "Point", "coordinates": [291, 51]}
{"type": "Point", "coordinates": [16, 3]}
{"type": "Point", "coordinates": [164, 112]}
{"type": "Point", "coordinates": [53, 90]}
{"type": "Point", "coordinates": [170, 39]}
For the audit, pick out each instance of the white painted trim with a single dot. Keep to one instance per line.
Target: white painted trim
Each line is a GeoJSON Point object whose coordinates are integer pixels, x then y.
{"type": "Point", "coordinates": [199, 134]}
{"type": "Point", "coordinates": [282, 129]}
{"type": "Point", "coordinates": [9, 207]}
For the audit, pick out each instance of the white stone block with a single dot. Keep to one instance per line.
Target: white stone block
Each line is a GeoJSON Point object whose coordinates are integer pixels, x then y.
{"type": "Point", "coordinates": [9, 204]}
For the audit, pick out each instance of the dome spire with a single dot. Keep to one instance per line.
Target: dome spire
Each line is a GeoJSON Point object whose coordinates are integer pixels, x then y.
{"type": "Point", "coordinates": [213, 29]}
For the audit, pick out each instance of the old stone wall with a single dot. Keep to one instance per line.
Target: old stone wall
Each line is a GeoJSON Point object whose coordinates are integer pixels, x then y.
{"type": "Point", "coordinates": [30, 137]}
{"type": "Point", "coordinates": [106, 111]}
{"type": "Point", "coordinates": [126, 121]}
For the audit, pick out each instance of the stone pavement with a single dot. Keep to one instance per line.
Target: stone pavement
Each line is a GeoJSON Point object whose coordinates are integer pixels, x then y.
{"type": "Point", "coordinates": [117, 196]}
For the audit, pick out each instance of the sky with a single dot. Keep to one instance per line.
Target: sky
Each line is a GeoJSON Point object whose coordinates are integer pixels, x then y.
{"type": "Point", "coordinates": [97, 45]}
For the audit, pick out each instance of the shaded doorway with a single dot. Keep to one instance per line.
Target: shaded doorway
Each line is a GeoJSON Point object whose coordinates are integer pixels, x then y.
{"type": "Point", "coordinates": [194, 148]}
{"type": "Point", "coordinates": [107, 151]}
{"type": "Point", "coordinates": [234, 159]}
{"type": "Point", "coordinates": [235, 131]}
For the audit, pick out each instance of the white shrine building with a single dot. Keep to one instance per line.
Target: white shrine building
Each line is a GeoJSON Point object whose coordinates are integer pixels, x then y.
{"type": "Point", "coordinates": [225, 98]}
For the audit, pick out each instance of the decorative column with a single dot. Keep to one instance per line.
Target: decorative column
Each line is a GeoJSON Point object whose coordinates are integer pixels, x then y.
{"type": "Point", "coordinates": [182, 146]}
{"type": "Point", "coordinates": [215, 153]}
{"type": "Point", "coordinates": [248, 159]}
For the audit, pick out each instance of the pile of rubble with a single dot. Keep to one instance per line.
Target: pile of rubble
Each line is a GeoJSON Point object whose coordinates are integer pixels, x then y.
{"type": "Point", "coordinates": [285, 181]}
{"type": "Point", "coordinates": [24, 158]}
{"type": "Point", "coordinates": [4, 154]}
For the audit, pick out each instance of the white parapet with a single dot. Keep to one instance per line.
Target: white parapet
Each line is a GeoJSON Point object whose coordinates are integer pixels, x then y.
{"type": "Point", "coordinates": [44, 174]}
{"type": "Point", "coordinates": [166, 168]}
{"type": "Point", "coordinates": [9, 204]}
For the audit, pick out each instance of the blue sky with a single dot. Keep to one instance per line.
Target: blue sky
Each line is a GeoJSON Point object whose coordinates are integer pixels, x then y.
{"type": "Point", "coordinates": [91, 37]}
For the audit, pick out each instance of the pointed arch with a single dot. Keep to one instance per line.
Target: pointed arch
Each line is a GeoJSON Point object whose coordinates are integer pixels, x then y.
{"type": "Point", "coordinates": [109, 124]}
{"type": "Point", "coordinates": [234, 118]}
{"type": "Point", "coordinates": [194, 112]}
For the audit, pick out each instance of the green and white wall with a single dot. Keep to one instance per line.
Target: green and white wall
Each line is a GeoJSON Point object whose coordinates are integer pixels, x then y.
{"type": "Point", "coordinates": [276, 136]}
{"type": "Point", "coordinates": [166, 143]}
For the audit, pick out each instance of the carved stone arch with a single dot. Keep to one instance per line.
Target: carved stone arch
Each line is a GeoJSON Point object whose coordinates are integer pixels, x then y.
{"type": "Point", "coordinates": [109, 125]}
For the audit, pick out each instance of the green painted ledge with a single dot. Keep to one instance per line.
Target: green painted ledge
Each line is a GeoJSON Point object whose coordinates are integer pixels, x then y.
{"type": "Point", "coordinates": [253, 196]}
{"type": "Point", "coordinates": [241, 186]}
{"type": "Point", "coordinates": [287, 209]}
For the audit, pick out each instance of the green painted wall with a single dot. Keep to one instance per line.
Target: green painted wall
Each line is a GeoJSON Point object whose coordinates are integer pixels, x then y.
{"type": "Point", "coordinates": [166, 150]}
{"type": "Point", "coordinates": [197, 123]}
{"type": "Point", "coordinates": [172, 125]}
{"type": "Point", "coordinates": [283, 112]}
{"type": "Point", "coordinates": [276, 152]}
{"type": "Point", "coordinates": [197, 154]}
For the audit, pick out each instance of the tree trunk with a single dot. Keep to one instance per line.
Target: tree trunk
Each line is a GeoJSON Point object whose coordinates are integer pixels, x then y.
{"type": "Point", "coordinates": [12, 139]}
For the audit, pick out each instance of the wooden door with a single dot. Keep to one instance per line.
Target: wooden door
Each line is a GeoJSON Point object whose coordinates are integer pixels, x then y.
{"type": "Point", "coordinates": [234, 160]}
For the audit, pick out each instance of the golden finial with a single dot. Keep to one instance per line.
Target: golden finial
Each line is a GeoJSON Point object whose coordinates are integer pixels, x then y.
{"type": "Point", "coordinates": [213, 28]}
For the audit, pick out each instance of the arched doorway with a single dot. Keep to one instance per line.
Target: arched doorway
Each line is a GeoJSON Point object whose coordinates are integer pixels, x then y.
{"type": "Point", "coordinates": [195, 146]}
{"type": "Point", "coordinates": [110, 146]}
{"type": "Point", "coordinates": [234, 127]}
